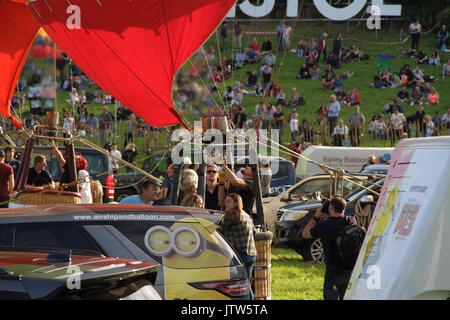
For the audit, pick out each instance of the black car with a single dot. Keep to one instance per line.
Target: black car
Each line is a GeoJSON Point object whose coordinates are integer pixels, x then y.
{"type": "Point", "coordinates": [292, 219]}
{"type": "Point", "coordinates": [99, 166]}
{"type": "Point", "coordinates": [50, 274]}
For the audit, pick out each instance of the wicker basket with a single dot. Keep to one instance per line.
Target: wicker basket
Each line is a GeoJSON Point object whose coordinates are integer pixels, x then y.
{"type": "Point", "coordinates": [37, 198]}
{"type": "Point", "coordinates": [262, 269]}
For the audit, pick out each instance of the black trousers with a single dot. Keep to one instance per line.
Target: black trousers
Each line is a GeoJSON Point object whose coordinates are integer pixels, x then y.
{"type": "Point", "coordinates": [335, 283]}
{"type": "Point", "coordinates": [415, 40]}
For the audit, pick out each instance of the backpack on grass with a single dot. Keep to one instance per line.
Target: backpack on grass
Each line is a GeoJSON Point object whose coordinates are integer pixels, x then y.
{"type": "Point", "coordinates": [348, 244]}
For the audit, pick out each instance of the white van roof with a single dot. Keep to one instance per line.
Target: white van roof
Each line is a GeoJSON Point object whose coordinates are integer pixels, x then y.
{"type": "Point", "coordinates": [406, 252]}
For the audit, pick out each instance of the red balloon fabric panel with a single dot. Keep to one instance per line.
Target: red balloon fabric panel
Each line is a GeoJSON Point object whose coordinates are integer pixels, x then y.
{"type": "Point", "coordinates": [132, 48]}
{"type": "Point", "coordinates": [17, 32]}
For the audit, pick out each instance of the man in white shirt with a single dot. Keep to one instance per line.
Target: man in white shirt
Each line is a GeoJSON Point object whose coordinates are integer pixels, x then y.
{"type": "Point", "coordinates": [446, 119]}
{"type": "Point", "coordinates": [397, 120]}
{"type": "Point", "coordinates": [114, 162]}
{"type": "Point", "coordinates": [415, 29]}
{"type": "Point", "coordinates": [340, 133]}
{"type": "Point", "coordinates": [287, 37]}
{"type": "Point", "coordinates": [333, 109]}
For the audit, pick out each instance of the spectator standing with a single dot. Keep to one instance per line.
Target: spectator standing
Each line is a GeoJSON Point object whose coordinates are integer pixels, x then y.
{"type": "Point", "coordinates": [333, 109]}
{"type": "Point", "coordinates": [337, 44]}
{"type": "Point", "coordinates": [242, 186]}
{"type": "Point", "coordinates": [322, 47]}
{"type": "Point", "coordinates": [446, 119]}
{"type": "Point", "coordinates": [437, 124]}
{"type": "Point", "coordinates": [340, 134]}
{"type": "Point", "coordinates": [278, 118]}
{"type": "Point", "coordinates": [287, 30]}
{"type": "Point", "coordinates": [114, 162]}
{"type": "Point", "coordinates": [336, 277]}
{"type": "Point", "coordinates": [237, 28]}
{"type": "Point", "coordinates": [212, 200]}
{"type": "Point", "coordinates": [223, 36]}
{"type": "Point", "coordinates": [238, 228]}
{"type": "Point", "coordinates": [356, 123]}
{"type": "Point", "coordinates": [293, 124]}
{"type": "Point", "coordinates": [10, 159]}
{"type": "Point", "coordinates": [442, 38]}
{"type": "Point", "coordinates": [129, 155]}
{"type": "Point", "coordinates": [105, 122]}
{"type": "Point", "coordinates": [295, 147]}
{"type": "Point", "coordinates": [415, 30]}
{"type": "Point", "coordinates": [397, 121]}
{"type": "Point", "coordinates": [84, 179]}
{"type": "Point", "coordinates": [92, 125]}
{"type": "Point", "coordinates": [6, 181]}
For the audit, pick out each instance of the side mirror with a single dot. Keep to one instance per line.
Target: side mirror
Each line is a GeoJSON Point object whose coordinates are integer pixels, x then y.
{"type": "Point", "coordinates": [367, 199]}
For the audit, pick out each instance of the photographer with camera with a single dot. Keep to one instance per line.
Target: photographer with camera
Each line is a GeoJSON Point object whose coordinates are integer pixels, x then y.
{"type": "Point", "coordinates": [337, 273]}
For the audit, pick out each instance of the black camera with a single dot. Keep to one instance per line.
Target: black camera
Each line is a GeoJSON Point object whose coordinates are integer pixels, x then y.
{"type": "Point", "coordinates": [325, 205]}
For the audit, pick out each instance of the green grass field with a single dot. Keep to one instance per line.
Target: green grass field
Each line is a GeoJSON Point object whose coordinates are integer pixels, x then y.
{"type": "Point", "coordinates": [294, 279]}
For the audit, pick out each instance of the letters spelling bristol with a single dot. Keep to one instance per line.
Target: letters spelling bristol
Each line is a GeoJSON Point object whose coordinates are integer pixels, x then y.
{"type": "Point", "coordinates": [229, 310]}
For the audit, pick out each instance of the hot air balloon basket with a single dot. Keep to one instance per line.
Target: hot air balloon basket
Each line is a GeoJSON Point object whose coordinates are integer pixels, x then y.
{"type": "Point", "coordinates": [53, 197]}
{"type": "Point", "coordinates": [262, 268]}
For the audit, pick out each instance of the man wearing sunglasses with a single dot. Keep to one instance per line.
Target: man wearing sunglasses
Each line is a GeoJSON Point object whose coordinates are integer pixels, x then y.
{"type": "Point", "coordinates": [212, 188]}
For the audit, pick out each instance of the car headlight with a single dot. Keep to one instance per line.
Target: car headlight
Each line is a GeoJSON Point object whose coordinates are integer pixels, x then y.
{"type": "Point", "coordinates": [293, 215]}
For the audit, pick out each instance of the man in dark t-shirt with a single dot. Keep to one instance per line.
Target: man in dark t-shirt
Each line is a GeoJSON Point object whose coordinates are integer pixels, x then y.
{"type": "Point", "coordinates": [336, 279]}
{"type": "Point", "coordinates": [38, 176]}
{"type": "Point", "coordinates": [212, 188]}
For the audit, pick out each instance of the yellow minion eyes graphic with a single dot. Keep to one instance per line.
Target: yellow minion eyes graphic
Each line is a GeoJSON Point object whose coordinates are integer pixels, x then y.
{"type": "Point", "coordinates": [184, 241]}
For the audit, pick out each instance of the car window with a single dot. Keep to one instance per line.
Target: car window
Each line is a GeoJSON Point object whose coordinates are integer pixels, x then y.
{"type": "Point", "coordinates": [95, 164]}
{"type": "Point", "coordinates": [349, 187]}
{"type": "Point", "coordinates": [358, 192]}
{"type": "Point", "coordinates": [311, 186]}
{"type": "Point", "coordinates": [51, 236]}
{"type": "Point", "coordinates": [282, 171]}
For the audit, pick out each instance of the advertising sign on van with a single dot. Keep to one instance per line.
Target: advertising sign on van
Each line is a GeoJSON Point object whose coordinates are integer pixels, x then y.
{"type": "Point", "coordinates": [407, 242]}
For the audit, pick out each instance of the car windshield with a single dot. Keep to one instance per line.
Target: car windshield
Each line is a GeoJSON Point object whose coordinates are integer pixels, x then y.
{"type": "Point", "coordinates": [359, 191]}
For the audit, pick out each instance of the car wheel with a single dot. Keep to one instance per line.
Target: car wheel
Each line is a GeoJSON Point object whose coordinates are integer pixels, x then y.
{"type": "Point", "coordinates": [122, 194]}
{"type": "Point", "coordinates": [313, 251]}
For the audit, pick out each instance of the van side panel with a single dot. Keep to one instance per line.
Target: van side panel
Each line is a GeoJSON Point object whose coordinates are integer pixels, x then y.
{"type": "Point", "coordinates": [350, 159]}
{"type": "Point", "coordinates": [406, 252]}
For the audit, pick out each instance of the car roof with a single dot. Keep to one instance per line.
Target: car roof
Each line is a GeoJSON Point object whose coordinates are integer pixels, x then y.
{"type": "Point", "coordinates": [69, 212]}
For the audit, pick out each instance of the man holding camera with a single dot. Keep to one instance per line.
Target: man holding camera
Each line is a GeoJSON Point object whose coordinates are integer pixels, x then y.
{"type": "Point", "coordinates": [336, 279]}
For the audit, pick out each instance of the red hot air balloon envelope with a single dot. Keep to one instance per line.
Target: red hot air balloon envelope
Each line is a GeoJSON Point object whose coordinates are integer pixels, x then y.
{"type": "Point", "coordinates": [132, 48]}
{"type": "Point", "coordinates": [17, 32]}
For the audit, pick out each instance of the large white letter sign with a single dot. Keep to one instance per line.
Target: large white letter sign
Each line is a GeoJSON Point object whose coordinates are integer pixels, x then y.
{"type": "Point", "coordinates": [257, 11]}
{"type": "Point", "coordinates": [388, 9]}
{"type": "Point", "coordinates": [339, 14]}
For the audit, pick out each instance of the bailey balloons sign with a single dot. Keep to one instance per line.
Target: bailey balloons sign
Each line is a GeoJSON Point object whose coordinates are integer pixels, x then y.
{"type": "Point", "coordinates": [264, 7]}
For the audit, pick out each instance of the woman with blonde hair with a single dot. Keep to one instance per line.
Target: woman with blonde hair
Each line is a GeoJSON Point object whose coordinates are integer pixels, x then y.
{"type": "Point", "coordinates": [192, 200]}
{"type": "Point", "coordinates": [238, 228]}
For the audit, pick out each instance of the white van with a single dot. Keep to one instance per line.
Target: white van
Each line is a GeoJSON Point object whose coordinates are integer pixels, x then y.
{"type": "Point", "coordinates": [349, 159]}
{"type": "Point", "coordinates": [406, 252]}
